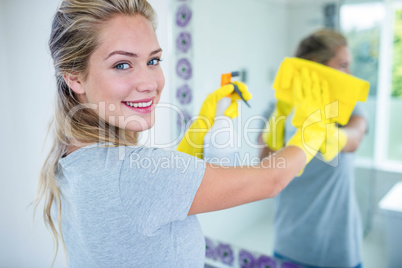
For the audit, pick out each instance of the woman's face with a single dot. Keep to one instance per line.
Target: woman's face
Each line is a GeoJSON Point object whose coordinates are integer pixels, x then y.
{"type": "Point", "coordinates": [342, 60]}
{"type": "Point", "coordinates": [124, 78]}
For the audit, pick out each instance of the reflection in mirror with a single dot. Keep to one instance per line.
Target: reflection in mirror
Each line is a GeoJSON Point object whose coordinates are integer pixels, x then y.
{"type": "Point", "coordinates": [229, 35]}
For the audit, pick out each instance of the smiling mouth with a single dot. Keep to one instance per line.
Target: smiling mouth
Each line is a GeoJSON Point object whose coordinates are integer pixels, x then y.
{"type": "Point", "coordinates": [139, 104]}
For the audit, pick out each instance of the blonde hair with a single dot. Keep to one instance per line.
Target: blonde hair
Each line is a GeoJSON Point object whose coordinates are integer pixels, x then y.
{"type": "Point", "coordinates": [73, 39]}
{"type": "Point", "coordinates": [320, 46]}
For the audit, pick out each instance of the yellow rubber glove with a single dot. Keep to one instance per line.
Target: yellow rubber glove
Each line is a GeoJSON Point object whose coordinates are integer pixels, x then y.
{"type": "Point", "coordinates": [336, 139]}
{"type": "Point", "coordinates": [344, 88]}
{"type": "Point", "coordinates": [310, 96]}
{"type": "Point", "coordinates": [274, 132]}
{"type": "Point", "coordinates": [193, 140]}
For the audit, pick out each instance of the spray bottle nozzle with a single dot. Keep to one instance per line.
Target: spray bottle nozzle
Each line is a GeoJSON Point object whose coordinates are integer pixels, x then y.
{"type": "Point", "coordinates": [234, 74]}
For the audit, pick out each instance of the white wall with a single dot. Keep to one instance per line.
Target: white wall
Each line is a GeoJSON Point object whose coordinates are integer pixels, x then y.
{"type": "Point", "coordinates": [27, 90]}
{"type": "Point", "coordinates": [27, 67]}
{"type": "Point", "coordinates": [305, 16]}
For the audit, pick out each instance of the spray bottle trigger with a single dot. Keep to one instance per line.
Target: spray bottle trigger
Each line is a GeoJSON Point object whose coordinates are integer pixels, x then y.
{"type": "Point", "coordinates": [237, 90]}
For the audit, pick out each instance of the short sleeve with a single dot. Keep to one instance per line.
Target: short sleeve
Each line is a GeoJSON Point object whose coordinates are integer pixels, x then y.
{"type": "Point", "coordinates": [360, 111]}
{"type": "Point", "coordinates": [157, 186]}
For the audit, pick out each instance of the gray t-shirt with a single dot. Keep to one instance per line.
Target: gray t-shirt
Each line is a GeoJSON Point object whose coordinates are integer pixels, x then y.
{"type": "Point", "coordinates": [317, 219]}
{"type": "Point", "coordinates": [128, 206]}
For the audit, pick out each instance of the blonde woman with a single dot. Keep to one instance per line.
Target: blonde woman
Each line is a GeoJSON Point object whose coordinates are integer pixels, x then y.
{"type": "Point", "coordinates": [110, 207]}
{"type": "Point", "coordinates": [323, 227]}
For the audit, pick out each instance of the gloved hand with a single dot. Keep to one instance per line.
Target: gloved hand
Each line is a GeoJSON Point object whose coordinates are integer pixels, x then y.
{"type": "Point", "coordinates": [344, 88]}
{"type": "Point", "coordinates": [335, 141]}
{"type": "Point", "coordinates": [310, 96]}
{"type": "Point", "coordinates": [274, 132]}
{"type": "Point", "coordinates": [192, 142]}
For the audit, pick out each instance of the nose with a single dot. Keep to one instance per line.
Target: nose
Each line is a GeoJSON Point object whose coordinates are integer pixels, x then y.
{"type": "Point", "coordinates": [146, 80]}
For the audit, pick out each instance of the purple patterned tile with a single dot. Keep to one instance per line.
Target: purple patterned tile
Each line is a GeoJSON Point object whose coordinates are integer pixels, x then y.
{"type": "Point", "coordinates": [209, 249]}
{"type": "Point", "coordinates": [225, 253]}
{"type": "Point", "coordinates": [184, 69]}
{"type": "Point", "coordinates": [289, 265]}
{"type": "Point", "coordinates": [266, 262]}
{"type": "Point", "coordinates": [183, 119]}
{"type": "Point", "coordinates": [183, 42]}
{"type": "Point", "coordinates": [183, 15]}
{"type": "Point", "coordinates": [184, 94]}
{"type": "Point", "coordinates": [246, 259]}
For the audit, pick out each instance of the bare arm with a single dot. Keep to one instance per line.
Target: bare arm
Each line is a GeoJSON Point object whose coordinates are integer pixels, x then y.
{"type": "Point", "coordinates": [225, 187]}
{"type": "Point", "coordinates": [355, 130]}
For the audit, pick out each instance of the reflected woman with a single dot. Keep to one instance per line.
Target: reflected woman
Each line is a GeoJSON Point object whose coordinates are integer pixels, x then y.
{"type": "Point", "coordinates": [317, 221]}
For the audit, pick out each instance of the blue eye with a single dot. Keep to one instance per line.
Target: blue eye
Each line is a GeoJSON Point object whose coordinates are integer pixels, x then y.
{"type": "Point", "coordinates": [122, 66]}
{"type": "Point", "coordinates": [154, 61]}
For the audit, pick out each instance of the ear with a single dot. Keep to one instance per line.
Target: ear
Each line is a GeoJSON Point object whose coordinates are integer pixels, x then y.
{"type": "Point", "coordinates": [74, 82]}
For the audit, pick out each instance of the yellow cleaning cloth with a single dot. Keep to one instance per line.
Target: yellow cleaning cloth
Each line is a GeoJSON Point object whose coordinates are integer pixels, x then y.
{"type": "Point", "coordinates": [344, 88]}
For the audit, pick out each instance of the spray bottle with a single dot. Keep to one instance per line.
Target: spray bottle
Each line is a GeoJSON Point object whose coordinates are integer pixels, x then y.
{"type": "Point", "coordinates": [220, 143]}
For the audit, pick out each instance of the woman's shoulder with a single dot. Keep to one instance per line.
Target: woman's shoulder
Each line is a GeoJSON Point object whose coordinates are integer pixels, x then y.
{"type": "Point", "coordinates": [108, 152]}
{"type": "Point", "coordinates": [93, 152]}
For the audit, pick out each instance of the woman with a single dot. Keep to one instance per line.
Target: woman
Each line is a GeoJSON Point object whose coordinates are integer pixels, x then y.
{"type": "Point", "coordinates": [118, 204]}
{"type": "Point", "coordinates": [317, 222]}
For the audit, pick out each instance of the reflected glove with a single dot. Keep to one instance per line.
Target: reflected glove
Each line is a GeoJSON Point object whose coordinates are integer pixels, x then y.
{"type": "Point", "coordinates": [336, 139]}
{"type": "Point", "coordinates": [344, 88]}
{"type": "Point", "coordinates": [192, 142]}
{"type": "Point", "coordinates": [310, 96]}
{"type": "Point", "coordinates": [274, 132]}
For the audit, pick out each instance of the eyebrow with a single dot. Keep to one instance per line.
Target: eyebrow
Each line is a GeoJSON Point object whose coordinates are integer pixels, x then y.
{"type": "Point", "coordinates": [130, 54]}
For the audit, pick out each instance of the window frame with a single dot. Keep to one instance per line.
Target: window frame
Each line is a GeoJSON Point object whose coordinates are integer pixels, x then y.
{"type": "Point", "coordinates": [380, 160]}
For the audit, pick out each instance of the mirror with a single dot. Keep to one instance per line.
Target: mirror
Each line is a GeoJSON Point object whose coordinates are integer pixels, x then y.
{"type": "Point", "coordinates": [254, 37]}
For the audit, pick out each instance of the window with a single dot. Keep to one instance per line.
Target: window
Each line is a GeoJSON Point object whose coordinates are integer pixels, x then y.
{"type": "Point", "coordinates": [375, 40]}
{"type": "Point", "coordinates": [394, 152]}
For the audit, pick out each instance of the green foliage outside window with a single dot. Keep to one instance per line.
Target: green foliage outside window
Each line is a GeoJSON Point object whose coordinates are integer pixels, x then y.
{"type": "Point", "coordinates": [364, 46]}
{"type": "Point", "coordinates": [397, 56]}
